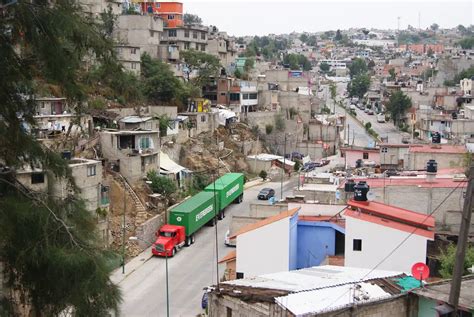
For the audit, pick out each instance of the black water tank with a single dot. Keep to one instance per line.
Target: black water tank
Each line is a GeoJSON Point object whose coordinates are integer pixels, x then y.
{"type": "Point", "coordinates": [359, 163]}
{"type": "Point", "coordinates": [432, 166]}
{"type": "Point", "coordinates": [436, 137]}
{"type": "Point", "coordinates": [360, 191]}
{"type": "Point", "coordinates": [67, 155]}
{"type": "Point", "coordinates": [349, 186]}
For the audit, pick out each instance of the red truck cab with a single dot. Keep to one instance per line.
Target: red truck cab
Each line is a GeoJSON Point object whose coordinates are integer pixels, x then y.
{"type": "Point", "coordinates": [170, 239]}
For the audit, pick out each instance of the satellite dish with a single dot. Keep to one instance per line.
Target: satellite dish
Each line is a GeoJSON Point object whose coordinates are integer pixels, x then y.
{"type": "Point", "coordinates": [370, 196]}
{"type": "Point", "coordinates": [420, 271]}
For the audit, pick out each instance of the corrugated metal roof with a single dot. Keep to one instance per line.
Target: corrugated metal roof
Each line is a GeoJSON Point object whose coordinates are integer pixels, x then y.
{"type": "Point", "coordinates": [265, 157]}
{"type": "Point", "coordinates": [312, 278]}
{"type": "Point", "coordinates": [168, 166]}
{"type": "Point", "coordinates": [134, 119]}
{"type": "Point", "coordinates": [331, 298]}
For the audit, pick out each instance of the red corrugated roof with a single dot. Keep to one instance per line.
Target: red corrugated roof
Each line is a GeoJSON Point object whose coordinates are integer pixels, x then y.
{"type": "Point", "coordinates": [453, 149]}
{"type": "Point", "coordinates": [411, 181]}
{"type": "Point", "coordinates": [341, 222]}
{"type": "Point", "coordinates": [395, 213]}
{"type": "Point", "coordinates": [389, 223]}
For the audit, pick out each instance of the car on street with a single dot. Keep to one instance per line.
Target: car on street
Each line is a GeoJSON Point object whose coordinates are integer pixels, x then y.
{"type": "Point", "coordinates": [266, 193]}
{"type": "Point", "coordinates": [370, 112]}
{"type": "Point", "coordinates": [366, 110]}
{"type": "Point", "coordinates": [381, 118]}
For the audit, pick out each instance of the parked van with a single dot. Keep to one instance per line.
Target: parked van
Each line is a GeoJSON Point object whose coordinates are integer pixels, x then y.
{"type": "Point", "coordinates": [381, 118]}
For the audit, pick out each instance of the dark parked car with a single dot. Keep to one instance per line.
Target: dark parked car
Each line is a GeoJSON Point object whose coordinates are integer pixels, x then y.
{"type": "Point", "coordinates": [266, 193]}
{"type": "Point", "coordinates": [294, 155]}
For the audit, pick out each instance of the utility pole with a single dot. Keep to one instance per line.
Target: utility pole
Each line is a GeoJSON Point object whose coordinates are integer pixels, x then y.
{"type": "Point", "coordinates": [283, 170]}
{"type": "Point", "coordinates": [123, 225]}
{"type": "Point", "coordinates": [462, 244]}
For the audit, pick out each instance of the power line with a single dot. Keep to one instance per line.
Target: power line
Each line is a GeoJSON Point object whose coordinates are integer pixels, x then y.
{"type": "Point", "coordinates": [400, 244]}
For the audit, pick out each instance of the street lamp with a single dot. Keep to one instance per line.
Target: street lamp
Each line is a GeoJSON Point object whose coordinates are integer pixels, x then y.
{"type": "Point", "coordinates": [166, 264]}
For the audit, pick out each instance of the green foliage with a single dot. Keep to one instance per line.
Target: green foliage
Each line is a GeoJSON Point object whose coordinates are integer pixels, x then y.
{"type": "Point", "coordinates": [333, 91]}
{"type": "Point", "coordinates": [268, 128]}
{"type": "Point", "coordinates": [263, 175]}
{"type": "Point", "coordinates": [266, 46]}
{"type": "Point", "coordinates": [237, 73]}
{"type": "Point", "coordinates": [359, 85]}
{"type": "Point", "coordinates": [467, 73]}
{"type": "Point", "coordinates": [159, 83]}
{"type": "Point", "coordinates": [325, 110]}
{"type": "Point", "coordinates": [338, 36]}
{"type": "Point", "coordinates": [279, 123]}
{"type": "Point", "coordinates": [161, 184]}
{"type": "Point", "coordinates": [249, 64]}
{"type": "Point", "coordinates": [293, 112]}
{"type": "Point", "coordinates": [56, 262]}
{"type": "Point", "coordinates": [358, 67]}
{"type": "Point", "coordinates": [324, 67]}
{"type": "Point", "coordinates": [448, 257]}
{"type": "Point", "coordinates": [467, 43]}
{"type": "Point", "coordinates": [368, 125]}
{"type": "Point", "coordinates": [434, 27]}
{"type": "Point", "coordinates": [297, 62]}
{"type": "Point", "coordinates": [200, 181]}
{"type": "Point", "coordinates": [165, 122]}
{"type": "Point", "coordinates": [206, 65]}
{"type": "Point", "coordinates": [255, 130]}
{"type": "Point", "coordinates": [397, 106]}
{"type": "Point", "coordinates": [189, 19]}
{"type": "Point", "coordinates": [393, 74]}
{"type": "Point", "coordinates": [108, 20]}
{"type": "Point", "coordinates": [297, 165]}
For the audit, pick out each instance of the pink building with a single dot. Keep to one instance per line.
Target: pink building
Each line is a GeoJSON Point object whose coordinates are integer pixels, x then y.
{"type": "Point", "coordinates": [367, 156]}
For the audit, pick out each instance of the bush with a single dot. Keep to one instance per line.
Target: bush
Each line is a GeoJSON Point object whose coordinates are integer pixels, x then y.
{"type": "Point", "coordinates": [447, 261]}
{"type": "Point", "coordinates": [368, 125]}
{"type": "Point", "coordinates": [279, 122]}
{"type": "Point", "coordinates": [161, 184]}
{"type": "Point", "coordinates": [268, 128]}
{"type": "Point", "coordinates": [263, 175]}
{"type": "Point", "coordinates": [297, 166]}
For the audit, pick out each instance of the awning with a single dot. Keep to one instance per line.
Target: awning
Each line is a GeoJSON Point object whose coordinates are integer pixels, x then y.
{"type": "Point", "coordinates": [168, 166]}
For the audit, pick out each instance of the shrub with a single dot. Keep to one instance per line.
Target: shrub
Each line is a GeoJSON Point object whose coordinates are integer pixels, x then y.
{"type": "Point", "coordinates": [268, 128]}
{"type": "Point", "coordinates": [368, 125]}
{"type": "Point", "coordinates": [263, 175]}
{"type": "Point", "coordinates": [161, 184]}
{"type": "Point", "coordinates": [279, 122]}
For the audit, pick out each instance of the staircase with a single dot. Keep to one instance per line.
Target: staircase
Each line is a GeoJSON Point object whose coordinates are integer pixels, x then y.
{"type": "Point", "coordinates": [140, 208]}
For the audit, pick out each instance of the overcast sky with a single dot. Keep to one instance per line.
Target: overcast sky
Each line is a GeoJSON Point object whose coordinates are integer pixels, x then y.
{"type": "Point", "coordinates": [260, 17]}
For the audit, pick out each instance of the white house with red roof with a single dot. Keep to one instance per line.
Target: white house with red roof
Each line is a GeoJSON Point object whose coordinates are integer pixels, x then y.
{"type": "Point", "coordinates": [385, 237]}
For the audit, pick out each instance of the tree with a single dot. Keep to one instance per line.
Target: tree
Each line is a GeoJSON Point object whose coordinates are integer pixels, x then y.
{"type": "Point", "coordinates": [280, 123]}
{"type": "Point", "coordinates": [158, 81]}
{"type": "Point", "coordinates": [206, 65]}
{"type": "Point", "coordinates": [161, 184]}
{"type": "Point", "coordinates": [397, 105]}
{"type": "Point", "coordinates": [304, 37]}
{"type": "Point", "coordinates": [447, 261]}
{"type": "Point", "coordinates": [297, 62]}
{"type": "Point", "coordinates": [237, 73]}
{"type": "Point", "coordinates": [297, 165]}
{"type": "Point", "coordinates": [434, 27]}
{"type": "Point", "coordinates": [393, 74]}
{"type": "Point", "coordinates": [190, 19]}
{"type": "Point", "coordinates": [51, 259]}
{"type": "Point", "coordinates": [359, 85]}
{"type": "Point", "coordinates": [366, 32]}
{"type": "Point", "coordinates": [268, 128]}
{"type": "Point", "coordinates": [338, 36]}
{"type": "Point", "coordinates": [263, 175]}
{"type": "Point", "coordinates": [249, 64]}
{"type": "Point", "coordinates": [467, 43]}
{"type": "Point", "coordinates": [333, 90]}
{"type": "Point", "coordinates": [324, 67]}
{"type": "Point", "coordinates": [357, 67]}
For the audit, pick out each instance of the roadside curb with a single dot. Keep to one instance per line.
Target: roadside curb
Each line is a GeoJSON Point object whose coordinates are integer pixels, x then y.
{"type": "Point", "coordinates": [133, 265]}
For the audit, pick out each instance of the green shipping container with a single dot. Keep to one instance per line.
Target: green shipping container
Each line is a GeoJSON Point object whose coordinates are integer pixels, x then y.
{"type": "Point", "coordinates": [228, 188]}
{"type": "Point", "coordinates": [194, 212]}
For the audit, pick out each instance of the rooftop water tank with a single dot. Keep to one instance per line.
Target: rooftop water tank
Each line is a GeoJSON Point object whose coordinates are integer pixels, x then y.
{"type": "Point", "coordinates": [360, 191]}
{"type": "Point", "coordinates": [349, 186]}
{"type": "Point", "coordinates": [432, 166]}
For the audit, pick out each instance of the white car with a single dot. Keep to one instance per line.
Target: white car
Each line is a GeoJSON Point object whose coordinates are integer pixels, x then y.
{"type": "Point", "coordinates": [381, 118]}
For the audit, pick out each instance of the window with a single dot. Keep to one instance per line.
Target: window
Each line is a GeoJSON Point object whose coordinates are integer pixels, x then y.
{"type": "Point", "coordinates": [203, 47]}
{"type": "Point", "coordinates": [223, 93]}
{"type": "Point", "coordinates": [152, 34]}
{"type": "Point", "coordinates": [170, 16]}
{"type": "Point", "coordinates": [203, 36]}
{"type": "Point", "coordinates": [228, 312]}
{"type": "Point", "coordinates": [145, 142]}
{"type": "Point", "coordinates": [252, 96]}
{"type": "Point", "coordinates": [133, 65]}
{"type": "Point", "coordinates": [245, 96]}
{"type": "Point", "coordinates": [43, 105]}
{"type": "Point", "coordinates": [91, 170]}
{"type": "Point", "coordinates": [195, 35]}
{"type": "Point", "coordinates": [172, 33]}
{"type": "Point", "coordinates": [239, 275]}
{"type": "Point", "coordinates": [357, 245]}
{"type": "Point", "coordinates": [186, 46]}
{"type": "Point", "coordinates": [37, 178]}
{"type": "Point", "coordinates": [365, 155]}
{"type": "Point", "coordinates": [186, 33]}
{"type": "Point", "coordinates": [203, 118]}
{"type": "Point", "coordinates": [133, 50]}
{"type": "Point", "coordinates": [234, 97]}
{"type": "Point", "coordinates": [384, 150]}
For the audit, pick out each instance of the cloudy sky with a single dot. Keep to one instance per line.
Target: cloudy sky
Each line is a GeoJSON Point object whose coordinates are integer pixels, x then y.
{"type": "Point", "coordinates": [260, 17]}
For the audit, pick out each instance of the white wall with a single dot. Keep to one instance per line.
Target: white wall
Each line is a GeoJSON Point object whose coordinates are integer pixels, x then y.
{"type": "Point", "coordinates": [377, 242]}
{"type": "Point", "coordinates": [264, 250]}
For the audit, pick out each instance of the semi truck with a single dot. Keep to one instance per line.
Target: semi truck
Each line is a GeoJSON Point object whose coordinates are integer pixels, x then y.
{"type": "Point", "coordinates": [192, 214]}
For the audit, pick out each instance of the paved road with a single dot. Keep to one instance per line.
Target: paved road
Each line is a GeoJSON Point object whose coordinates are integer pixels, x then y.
{"type": "Point", "coordinates": [354, 133]}
{"type": "Point", "coordinates": [192, 269]}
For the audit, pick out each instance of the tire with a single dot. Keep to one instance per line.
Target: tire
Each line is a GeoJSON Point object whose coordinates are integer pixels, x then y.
{"type": "Point", "coordinates": [240, 199]}
{"type": "Point", "coordinates": [192, 239]}
{"type": "Point", "coordinates": [220, 215]}
{"type": "Point", "coordinates": [188, 242]}
{"type": "Point", "coordinates": [173, 252]}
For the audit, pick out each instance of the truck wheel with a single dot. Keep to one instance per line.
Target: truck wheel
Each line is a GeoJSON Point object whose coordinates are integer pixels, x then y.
{"type": "Point", "coordinates": [173, 252]}
{"type": "Point", "coordinates": [188, 242]}
{"type": "Point", "coordinates": [220, 215]}
{"type": "Point", "coordinates": [240, 199]}
{"type": "Point", "coordinates": [192, 239]}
